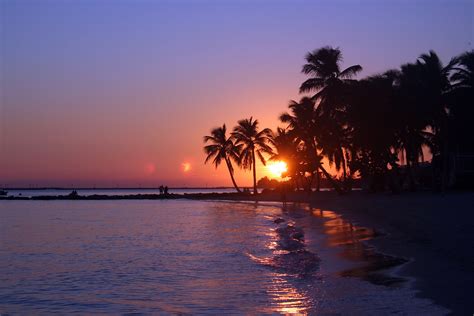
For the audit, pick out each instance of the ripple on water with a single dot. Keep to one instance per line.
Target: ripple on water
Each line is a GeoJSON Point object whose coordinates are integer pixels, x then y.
{"type": "Point", "coordinates": [155, 257]}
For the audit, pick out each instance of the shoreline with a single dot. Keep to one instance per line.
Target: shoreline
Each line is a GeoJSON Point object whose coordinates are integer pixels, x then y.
{"type": "Point", "coordinates": [434, 232]}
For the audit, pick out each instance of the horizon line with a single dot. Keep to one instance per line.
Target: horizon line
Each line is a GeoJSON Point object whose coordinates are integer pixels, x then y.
{"type": "Point", "coordinates": [111, 188]}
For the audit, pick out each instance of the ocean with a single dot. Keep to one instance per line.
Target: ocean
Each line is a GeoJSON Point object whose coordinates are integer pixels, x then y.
{"type": "Point", "coordinates": [191, 257]}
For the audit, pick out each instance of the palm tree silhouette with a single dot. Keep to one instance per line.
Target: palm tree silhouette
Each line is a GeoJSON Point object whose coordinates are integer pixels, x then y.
{"type": "Point", "coordinates": [461, 109]}
{"type": "Point", "coordinates": [252, 143]}
{"type": "Point", "coordinates": [371, 127]}
{"type": "Point", "coordinates": [333, 141]}
{"type": "Point", "coordinates": [304, 124]}
{"type": "Point", "coordinates": [371, 139]}
{"type": "Point", "coordinates": [222, 148]}
{"type": "Point", "coordinates": [463, 76]}
{"type": "Point", "coordinates": [327, 80]}
{"type": "Point", "coordinates": [461, 102]}
{"type": "Point", "coordinates": [285, 149]}
{"type": "Point", "coordinates": [289, 149]}
{"type": "Point", "coordinates": [423, 100]}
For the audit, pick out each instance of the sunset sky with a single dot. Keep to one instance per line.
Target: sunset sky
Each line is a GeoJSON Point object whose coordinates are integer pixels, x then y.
{"type": "Point", "coordinates": [120, 93]}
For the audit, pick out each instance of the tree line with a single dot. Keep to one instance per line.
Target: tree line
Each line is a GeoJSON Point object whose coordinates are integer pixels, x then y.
{"type": "Point", "coordinates": [377, 128]}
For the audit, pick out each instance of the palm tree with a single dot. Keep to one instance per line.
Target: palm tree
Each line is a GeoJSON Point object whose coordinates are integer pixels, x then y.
{"type": "Point", "coordinates": [333, 141]}
{"type": "Point", "coordinates": [423, 88]}
{"type": "Point", "coordinates": [285, 149]}
{"type": "Point", "coordinates": [253, 143]}
{"type": "Point", "coordinates": [304, 124]}
{"type": "Point", "coordinates": [327, 80]}
{"type": "Point", "coordinates": [288, 149]}
{"type": "Point", "coordinates": [332, 87]}
{"type": "Point", "coordinates": [300, 120]}
{"type": "Point", "coordinates": [371, 138]}
{"type": "Point", "coordinates": [462, 100]}
{"type": "Point", "coordinates": [461, 110]}
{"type": "Point", "coordinates": [222, 148]}
{"type": "Point", "coordinates": [463, 77]}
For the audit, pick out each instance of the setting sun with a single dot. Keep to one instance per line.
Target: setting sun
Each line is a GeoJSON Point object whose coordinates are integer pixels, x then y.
{"type": "Point", "coordinates": [277, 168]}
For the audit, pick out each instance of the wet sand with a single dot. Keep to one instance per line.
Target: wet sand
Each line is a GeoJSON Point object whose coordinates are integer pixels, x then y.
{"type": "Point", "coordinates": [434, 232]}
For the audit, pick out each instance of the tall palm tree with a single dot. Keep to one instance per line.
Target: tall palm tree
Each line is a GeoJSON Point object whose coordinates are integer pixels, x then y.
{"type": "Point", "coordinates": [300, 120]}
{"type": "Point", "coordinates": [222, 148]}
{"type": "Point", "coordinates": [461, 109]}
{"type": "Point", "coordinates": [332, 142]}
{"type": "Point", "coordinates": [372, 138]}
{"type": "Point", "coordinates": [423, 100]}
{"type": "Point", "coordinates": [304, 124]}
{"type": "Point", "coordinates": [253, 143]}
{"type": "Point", "coordinates": [327, 80]}
{"type": "Point", "coordinates": [462, 102]}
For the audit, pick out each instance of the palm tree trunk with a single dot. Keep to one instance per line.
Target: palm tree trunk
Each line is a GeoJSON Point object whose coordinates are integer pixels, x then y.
{"type": "Point", "coordinates": [445, 155]}
{"type": "Point", "coordinates": [310, 184]}
{"type": "Point", "coordinates": [254, 173]}
{"type": "Point", "coordinates": [229, 167]}
{"type": "Point", "coordinates": [411, 176]}
{"type": "Point", "coordinates": [344, 171]}
{"type": "Point", "coordinates": [333, 182]}
{"type": "Point", "coordinates": [318, 181]}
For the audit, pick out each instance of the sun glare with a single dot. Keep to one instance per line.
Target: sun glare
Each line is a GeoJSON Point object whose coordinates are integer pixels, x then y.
{"type": "Point", "coordinates": [277, 168]}
{"type": "Point", "coordinates": [150, 168]}
{"type": "Point", "coordinates": [186, 166]}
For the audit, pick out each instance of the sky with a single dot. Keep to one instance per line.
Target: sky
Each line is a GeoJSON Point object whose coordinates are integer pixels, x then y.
{"type": "Point", "coordinates": [120, 93]}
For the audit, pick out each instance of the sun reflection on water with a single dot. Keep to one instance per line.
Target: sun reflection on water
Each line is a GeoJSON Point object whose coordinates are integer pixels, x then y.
{"type": "Point", "coordinates": [287, 299]}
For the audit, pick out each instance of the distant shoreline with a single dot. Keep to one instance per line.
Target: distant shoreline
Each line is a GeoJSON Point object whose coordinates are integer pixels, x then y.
{"type": "Point", "coordinates": [114, 188]}
{"type": "Point", "coordinates": [171, 196]}
{"type": "Point", "coordinates": [225, 196]}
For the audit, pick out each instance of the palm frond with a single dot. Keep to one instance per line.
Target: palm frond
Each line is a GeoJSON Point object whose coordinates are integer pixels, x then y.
{"type": "Point", "coordinates": [312, 84]}
{"type": "Point", "coordinates": [350, 72]}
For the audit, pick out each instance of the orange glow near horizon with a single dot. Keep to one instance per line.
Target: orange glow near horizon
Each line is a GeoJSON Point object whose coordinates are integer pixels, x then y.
{"type": "Point", "coordinates": [277, 168]}
{"type": "Point", "coordinates": [186, 166]}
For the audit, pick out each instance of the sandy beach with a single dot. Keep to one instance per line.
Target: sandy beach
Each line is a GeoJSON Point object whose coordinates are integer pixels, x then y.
{"type": "Point", "coordinates": [433, 231]}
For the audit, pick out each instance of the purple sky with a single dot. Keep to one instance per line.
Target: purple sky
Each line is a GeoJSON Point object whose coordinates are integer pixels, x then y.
{"type": "Point", "coordinates": [121, 92]}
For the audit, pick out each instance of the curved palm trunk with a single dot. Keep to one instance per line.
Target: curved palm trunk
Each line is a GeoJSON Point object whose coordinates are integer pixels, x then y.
{"type": "Point", "coordinates": [254, 173]}
{"type": "Point", "coordinates": [334, 183]}
{"type": "Point", "coordinates": [229, 167]}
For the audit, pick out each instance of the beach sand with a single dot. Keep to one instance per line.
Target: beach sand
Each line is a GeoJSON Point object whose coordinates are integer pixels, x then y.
{"type": "Point", "coordinates": [436, 232]}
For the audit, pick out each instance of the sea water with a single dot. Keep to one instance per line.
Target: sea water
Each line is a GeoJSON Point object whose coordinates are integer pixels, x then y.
{"type": "Point", "coordinates": [183, 256]}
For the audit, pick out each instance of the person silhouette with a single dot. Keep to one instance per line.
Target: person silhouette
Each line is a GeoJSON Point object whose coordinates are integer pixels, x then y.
{"type": "Point", "coordinates": [162, 189]}
{"type": "Point", "coordinates": [166, 190]}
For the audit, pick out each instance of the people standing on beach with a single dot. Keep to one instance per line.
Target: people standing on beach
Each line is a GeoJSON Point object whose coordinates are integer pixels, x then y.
{"type": "Point", "coordinates": [165, 190]}
{"type": "Point", "coordinates": [162, 189]}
